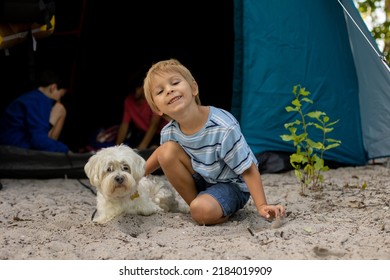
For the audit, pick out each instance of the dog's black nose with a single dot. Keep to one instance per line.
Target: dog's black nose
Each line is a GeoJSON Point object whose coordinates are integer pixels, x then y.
{"type": "Point", "coordinates": [119, 179]}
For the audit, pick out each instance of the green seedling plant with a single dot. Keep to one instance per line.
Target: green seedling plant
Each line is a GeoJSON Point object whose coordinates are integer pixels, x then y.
{"type": "Point", "coordinates": [307, 161]}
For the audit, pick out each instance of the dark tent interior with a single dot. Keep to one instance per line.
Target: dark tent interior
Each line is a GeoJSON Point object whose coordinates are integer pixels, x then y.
{"type": "Point", "coordinates": [97, 45]}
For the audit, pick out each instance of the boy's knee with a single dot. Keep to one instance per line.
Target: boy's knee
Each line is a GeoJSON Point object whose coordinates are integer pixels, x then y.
{"type": "Point", "coordinates": [205, 213]}
{"type": "Point", "coordinates": [169, 152]}
{"type": "Point", "coordinates": [198, 213]}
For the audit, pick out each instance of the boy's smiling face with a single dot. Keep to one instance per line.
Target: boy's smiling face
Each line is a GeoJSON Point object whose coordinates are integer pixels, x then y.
{"type": "Point", "coordinates": [172, 93]}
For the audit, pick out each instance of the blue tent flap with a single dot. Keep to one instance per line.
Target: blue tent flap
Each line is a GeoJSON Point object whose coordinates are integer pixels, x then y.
{"type": "Point", "coordinates": [280, 44]}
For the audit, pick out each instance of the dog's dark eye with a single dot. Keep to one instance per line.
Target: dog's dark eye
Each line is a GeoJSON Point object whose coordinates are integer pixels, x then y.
{"type": "Point", "coordinates": [109, 169]}
{"type": "Point", "coordinates": [126, 168]}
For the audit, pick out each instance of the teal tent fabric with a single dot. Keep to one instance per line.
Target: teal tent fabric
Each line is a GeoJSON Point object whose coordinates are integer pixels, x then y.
{"type": "Point", "coordinates": [283, 43]}
{"type": "Point", "coordinates": [374, 85]}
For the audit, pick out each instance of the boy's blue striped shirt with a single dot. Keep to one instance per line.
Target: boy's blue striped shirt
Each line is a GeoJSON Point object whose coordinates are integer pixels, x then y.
{"type": "Point", "coordinates": [219, 151]}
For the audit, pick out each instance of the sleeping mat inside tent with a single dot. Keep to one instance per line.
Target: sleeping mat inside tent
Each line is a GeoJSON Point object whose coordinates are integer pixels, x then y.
{"type": "Point", "coordinates": [21, 163]}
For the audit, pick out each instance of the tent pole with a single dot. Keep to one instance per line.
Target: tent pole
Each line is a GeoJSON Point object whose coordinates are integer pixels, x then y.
{"type": "Point", "coordinates": [383, 59]}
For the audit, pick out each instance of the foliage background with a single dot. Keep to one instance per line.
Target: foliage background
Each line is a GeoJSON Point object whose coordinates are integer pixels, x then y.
{"type": "Point", "coordinates": [376, 14]}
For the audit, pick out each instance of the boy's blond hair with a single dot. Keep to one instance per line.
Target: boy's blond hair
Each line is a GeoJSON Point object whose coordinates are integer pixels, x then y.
{"type": "Point", "coordinates": [166, 66]}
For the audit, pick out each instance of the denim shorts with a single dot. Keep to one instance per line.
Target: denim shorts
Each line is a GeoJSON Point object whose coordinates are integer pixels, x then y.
{"type": "Point", "coordinates": [228, 195]}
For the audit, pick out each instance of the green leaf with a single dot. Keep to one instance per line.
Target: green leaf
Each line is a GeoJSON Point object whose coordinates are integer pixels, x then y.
{"type": "Point", "coordinates": [291, 109]}
{"type": "Point", "coordinates": [331, 146]}
{"type": "Point", "coordinates": [286, 137]}
{"type": "Point", "coordinates": [304, 159]}
{"type": "Point", "coordinates": [319, 164]}
{"type": "Point", "coordinates": [327, 130]}
{"type": "Point", "coordinates": [315, 114]}
{"type": "Point", "coordinates": [298, 174]}
{"type": "Point", "coordinates": [320, 127]}
{"type": "Point", "coordinates": [325, 168]}
{"type": "Point", "coordinates": [296, 158]}
{"type": "Point", "coordinates": [309, 169]}
{"type": "Point", "coordinates": [303, 92]}
{"type": "Point", "coordinates": [332, 123]}
{"type": "Point", "coordinates": [309, 151]}
{"type": "Point", "coordinates": [305, 99]}
{"type": "Point", "coordinates": [296, 103]}
{"type": "Point", "coordinates": [292, 129]}
{"type": "Point", "coordinates": [295, 88]}
{"type": "Point", "coordinates": [333, 140]}
{"type": "Point", "coordinates": [296, 122]}
{"type": "Point", "coordinates": [315, 145]}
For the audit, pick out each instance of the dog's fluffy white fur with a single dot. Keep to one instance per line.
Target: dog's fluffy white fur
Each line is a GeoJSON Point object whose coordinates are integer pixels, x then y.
{"type": "Point", "coordinates": [118, 174]}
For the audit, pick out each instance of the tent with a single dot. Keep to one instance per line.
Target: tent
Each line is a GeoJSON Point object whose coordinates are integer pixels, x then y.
{"type": "Point", "coordinates": [324, 46]}
{"type": "Point", "coordinates": [278, 44]}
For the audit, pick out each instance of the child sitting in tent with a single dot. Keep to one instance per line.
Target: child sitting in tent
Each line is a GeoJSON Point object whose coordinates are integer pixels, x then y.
{"type": "Point", "coordinates": [35, 119]}
{"type": "Point", "coordinates": [140, 127]}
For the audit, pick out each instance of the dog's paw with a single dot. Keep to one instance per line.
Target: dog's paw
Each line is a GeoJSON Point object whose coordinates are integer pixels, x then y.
{"type": "Point", "coordinates": [100, 219]}
{"type": "Point", "coordinates": [182, 206]}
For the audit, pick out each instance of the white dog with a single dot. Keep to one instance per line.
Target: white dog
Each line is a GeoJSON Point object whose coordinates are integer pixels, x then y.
{"type": "Point", "coordinates": [118, 175]}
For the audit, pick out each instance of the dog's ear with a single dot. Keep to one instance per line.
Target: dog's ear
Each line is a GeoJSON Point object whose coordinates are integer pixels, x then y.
{"type": "Point", "coordinates": [93, 170]}
{"type": "Point", "coordinates": [137, 165]}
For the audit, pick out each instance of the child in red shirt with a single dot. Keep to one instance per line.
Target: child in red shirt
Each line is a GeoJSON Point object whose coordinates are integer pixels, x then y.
{"type": "Point", "coordinates": [140, 127]}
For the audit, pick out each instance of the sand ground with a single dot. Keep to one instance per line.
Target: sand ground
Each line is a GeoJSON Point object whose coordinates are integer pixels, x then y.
{"type": "Point", "coordinates": [51, 220]}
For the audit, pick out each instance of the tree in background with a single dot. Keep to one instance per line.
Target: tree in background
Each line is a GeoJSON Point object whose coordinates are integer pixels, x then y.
{"type": "Point", "coordinates": [377, 13]}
